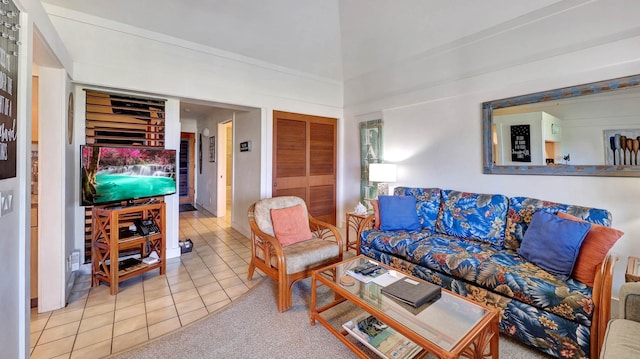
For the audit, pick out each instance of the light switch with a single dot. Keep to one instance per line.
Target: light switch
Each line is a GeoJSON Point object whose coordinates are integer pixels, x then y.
{"type": "Point", "coordinates": [6, 202]}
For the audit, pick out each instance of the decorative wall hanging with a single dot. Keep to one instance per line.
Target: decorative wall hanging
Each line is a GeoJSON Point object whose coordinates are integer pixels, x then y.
{"type": "Point", "coordinates": [370, 152]}
{"type": "Point", "coordinates": [521, 143]}
{"type": "Point", "coordinates": [212, 149]}
{"type": "Point", "coordinates": [9, 45]}
{"type": "Point", "coordinates": [621, 147]}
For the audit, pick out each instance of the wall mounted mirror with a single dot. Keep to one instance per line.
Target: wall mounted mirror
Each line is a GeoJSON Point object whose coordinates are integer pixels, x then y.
{"type": "Point", "coordinates": [586, 130]}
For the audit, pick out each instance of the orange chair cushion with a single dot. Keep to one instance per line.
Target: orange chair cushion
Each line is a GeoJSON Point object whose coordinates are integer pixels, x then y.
{"type": "Point", "coordinates": [594, 249]}
{"type": "Point", "coordinates": [290, 225]}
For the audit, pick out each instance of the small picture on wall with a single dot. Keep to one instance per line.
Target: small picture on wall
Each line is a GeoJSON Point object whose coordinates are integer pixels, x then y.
{"type": "Point", "coordinates": [621, 147]}
{"type": "Point", "coordinates": [212, 149]}
{"type": "Point", "coordinates": [520, 143]}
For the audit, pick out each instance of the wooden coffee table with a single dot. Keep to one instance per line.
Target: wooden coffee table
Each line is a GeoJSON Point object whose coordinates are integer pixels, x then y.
{"type": "Point", "coordinates": [448, 328]}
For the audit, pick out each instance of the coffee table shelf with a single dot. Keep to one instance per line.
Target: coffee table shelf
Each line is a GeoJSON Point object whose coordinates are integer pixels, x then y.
{"type": "Point", "coordinates": [448, 328]}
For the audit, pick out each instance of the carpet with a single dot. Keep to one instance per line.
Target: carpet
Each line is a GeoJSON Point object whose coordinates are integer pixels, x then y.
{"type": "Point", "coordinates": [186, 207]}
{"type": "Point", "coordinates": [251, 327]}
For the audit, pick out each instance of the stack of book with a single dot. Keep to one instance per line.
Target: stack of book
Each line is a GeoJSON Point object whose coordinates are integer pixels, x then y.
{"type": "Point", "coordinates": [381, 339]}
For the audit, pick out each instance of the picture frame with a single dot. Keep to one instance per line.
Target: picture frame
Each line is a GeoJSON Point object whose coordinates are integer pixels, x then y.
{"type": "Point", "coordinates": [212, 149]}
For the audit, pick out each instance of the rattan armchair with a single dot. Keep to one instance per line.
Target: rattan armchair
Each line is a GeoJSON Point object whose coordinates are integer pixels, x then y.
{"type": "Point", "coordinates": [288, 264]}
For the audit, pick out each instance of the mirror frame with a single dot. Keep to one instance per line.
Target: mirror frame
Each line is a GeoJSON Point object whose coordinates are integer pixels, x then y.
{"type": "Point", "coordinates": [557, 94]}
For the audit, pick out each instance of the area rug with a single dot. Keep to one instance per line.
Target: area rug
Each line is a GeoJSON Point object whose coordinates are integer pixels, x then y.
{"type": "Point", "coordinates": [252, 327]}
{"type": "Point", "coordinates": [186, 207]}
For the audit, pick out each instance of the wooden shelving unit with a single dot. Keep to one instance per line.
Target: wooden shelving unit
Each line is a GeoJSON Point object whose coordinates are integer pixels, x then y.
{"type": "Point", "coordinates": [111, 237]}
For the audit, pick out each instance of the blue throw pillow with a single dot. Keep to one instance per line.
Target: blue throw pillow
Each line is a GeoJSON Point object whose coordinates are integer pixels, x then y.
{"type": "Point", "coordinates": [553, 243]}
{"type": "Point", "coordinates": [398, 213]}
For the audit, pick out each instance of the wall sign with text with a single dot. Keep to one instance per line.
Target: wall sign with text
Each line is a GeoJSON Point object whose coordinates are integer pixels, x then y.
{"type": "Point", "coordinates": [521, 143]}
{"type": "Point", "coordinates": [9, 44]}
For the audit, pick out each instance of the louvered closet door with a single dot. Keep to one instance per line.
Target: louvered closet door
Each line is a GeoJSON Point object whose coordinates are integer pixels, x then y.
{"type": "Point", "coordinates": [304, 161]}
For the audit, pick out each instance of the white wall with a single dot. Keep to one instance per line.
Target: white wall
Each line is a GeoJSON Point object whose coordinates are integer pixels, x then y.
{"type": "Point", "coordinates": [247, 166]}
{"type": "Point", "coordinates": [432, 118]}
{"type": "Point", "coordinates": [54, 161]}
{"type": "Point", "coordinates": [14, 242]}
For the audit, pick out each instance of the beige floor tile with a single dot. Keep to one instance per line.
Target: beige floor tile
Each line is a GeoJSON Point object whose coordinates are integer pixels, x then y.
{"type": "Point", "coordinates": [161, 314]}
{"type": "Point", "coordinates": [59, 332]}
{"type": "Point", "coordinates": [129, 340]}
{"type": "Point", "coordinates": [189, 305]}
{"type": "Point", "coordinates": [215, 297]}
{"type": "Point", "coordinates": [53, 349]}
{"type": "Point", "coordinates": [199, 273]}
{"type": "Point", "coordinates": [230, 282]}
{"type": "Point", "coordinates": [194, 315]}
{"type": "Point", "coordinates": [33, 338]}
{"type": "Point", "coordinates": [38, 324]}
{"type": "Point", "coordinates": [185, 295]}
{"type": "Point", "coordinates": [129, 312]}
{"type": "Point", "coordinates": [130, 324]}
{"type": "Point", "coordinates": [220, 275]}
{"type": "Point", "coordinates": [98, 309]}
{"type": "Point", "coordinates": [236, 291]}
{"type": "Point", "coordinates": [159, 303]}
{"type": "Point", "coordinates": [182, 286]}
{"type": "Point", "coordinates": [208, 288]}
{"type": "Point", "coordinates": [97, 321]}
{"type": "Point", "coordinates": [93, 336]}
{"type": "Point", "coordinates": [208, 279]}
{"type": "Point", "coordinates": [130, 300]}
{"type": "Point", "coordinates": [98, 350]}
{"type": "Point", "coordinates": [164, 327]}
{"type": "Point", "coordinates": [150, 294]}
{"type": "Point", "coordinates": [64, 318]}
{"type": "Point", "coordinates": [216, 306]}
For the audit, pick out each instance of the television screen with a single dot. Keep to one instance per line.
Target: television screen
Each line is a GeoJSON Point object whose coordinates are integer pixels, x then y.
{"type": "Point", "coordinates": [115, 174]}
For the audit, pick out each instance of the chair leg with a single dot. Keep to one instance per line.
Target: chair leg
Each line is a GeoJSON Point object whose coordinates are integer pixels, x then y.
{"type": "Point", "coordinates": [252, 268]}
{"type": "Point", "coordinates": [282, 296]}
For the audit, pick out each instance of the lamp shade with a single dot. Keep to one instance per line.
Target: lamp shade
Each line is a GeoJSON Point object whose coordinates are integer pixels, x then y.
{"type": "Point", "coordinates": [382, 172]}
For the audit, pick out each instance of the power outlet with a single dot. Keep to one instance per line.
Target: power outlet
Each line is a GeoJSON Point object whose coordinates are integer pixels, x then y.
{"type": "Point", "coordinates": [6, 202]}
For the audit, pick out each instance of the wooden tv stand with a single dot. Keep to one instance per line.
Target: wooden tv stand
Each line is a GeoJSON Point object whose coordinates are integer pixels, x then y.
{"type": "Point", "coordinates": [110, 236]}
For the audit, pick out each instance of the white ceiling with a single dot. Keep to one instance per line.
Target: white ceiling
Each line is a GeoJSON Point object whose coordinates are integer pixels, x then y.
{"type": "Point", "coordinates": [334, 39]}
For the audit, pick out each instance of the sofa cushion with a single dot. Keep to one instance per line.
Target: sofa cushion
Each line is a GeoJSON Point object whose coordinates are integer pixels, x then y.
{"type": "Point", "coordinates": [427, 203]}
{"type": "Point", "coordinates": [474, 215]}
{"type": "Point", "coordinates": [594, 249]}
{"type": "Point", "coordinates": [398, 213]}
{"type": "Point", "coordinates": [396, 242]}
{"type": "Point", "coordinates": [509, 274]}
{"type": "Point", "coordinates": [553, 243]}
{"type": "Point", "coordinates": [522, 208]}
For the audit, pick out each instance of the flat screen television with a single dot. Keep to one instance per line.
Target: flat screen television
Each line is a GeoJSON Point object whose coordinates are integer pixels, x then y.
{"type": "Point", "coordinates": [111, 174]}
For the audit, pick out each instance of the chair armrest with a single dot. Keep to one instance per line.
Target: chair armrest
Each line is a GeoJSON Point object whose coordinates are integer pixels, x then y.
{"type": "Point", "coordinates": [326, 231]}
{"type": "Point", "coordinates": [366, 224]}
{"type": "Point", "coordinates": [630, 301]}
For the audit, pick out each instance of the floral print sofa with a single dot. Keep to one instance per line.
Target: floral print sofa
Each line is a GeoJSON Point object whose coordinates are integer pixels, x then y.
{"type": "Point", "coordinates": [468, 244]}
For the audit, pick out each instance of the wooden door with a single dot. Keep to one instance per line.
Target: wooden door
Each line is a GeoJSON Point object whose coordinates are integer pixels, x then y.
{"type": "Point", "coordinates": [304, 161]}
{"type": "Point", "coordinates": [186, 182]}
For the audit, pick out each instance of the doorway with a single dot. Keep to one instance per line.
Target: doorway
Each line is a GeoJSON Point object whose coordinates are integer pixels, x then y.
{"type": "Point", "coordinates": [186, 186]}
{"type": "Point", "coordinates": [225, 170]}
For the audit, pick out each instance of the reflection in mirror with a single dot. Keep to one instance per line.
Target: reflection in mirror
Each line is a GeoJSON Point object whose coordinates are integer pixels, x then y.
{"type": "Point", "coordinates": [591, 129]}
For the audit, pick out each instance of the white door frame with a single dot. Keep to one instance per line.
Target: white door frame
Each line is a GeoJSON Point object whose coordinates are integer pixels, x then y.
{"type": "Point", "coordinates": [221, 147]}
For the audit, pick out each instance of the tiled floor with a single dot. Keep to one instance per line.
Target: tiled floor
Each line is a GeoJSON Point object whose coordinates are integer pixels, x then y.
{"type": "Point", "coordinates": [95, 324]}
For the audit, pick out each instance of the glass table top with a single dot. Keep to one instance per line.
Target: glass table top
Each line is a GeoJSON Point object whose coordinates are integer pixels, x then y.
{"type": "Point", "coordinates": [443, 322]}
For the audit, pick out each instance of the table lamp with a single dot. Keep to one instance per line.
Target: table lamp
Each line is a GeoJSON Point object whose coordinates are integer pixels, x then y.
{"type": "Point", "coordinates": [383, 174]}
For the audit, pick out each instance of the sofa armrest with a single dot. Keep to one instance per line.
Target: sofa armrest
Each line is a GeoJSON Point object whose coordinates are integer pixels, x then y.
{"type": "Point", "coordinates": [630, 301]}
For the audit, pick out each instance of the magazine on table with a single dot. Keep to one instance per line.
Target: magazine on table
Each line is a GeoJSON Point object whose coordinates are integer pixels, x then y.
{"type": "Point", "coordinates": [380, 338]}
